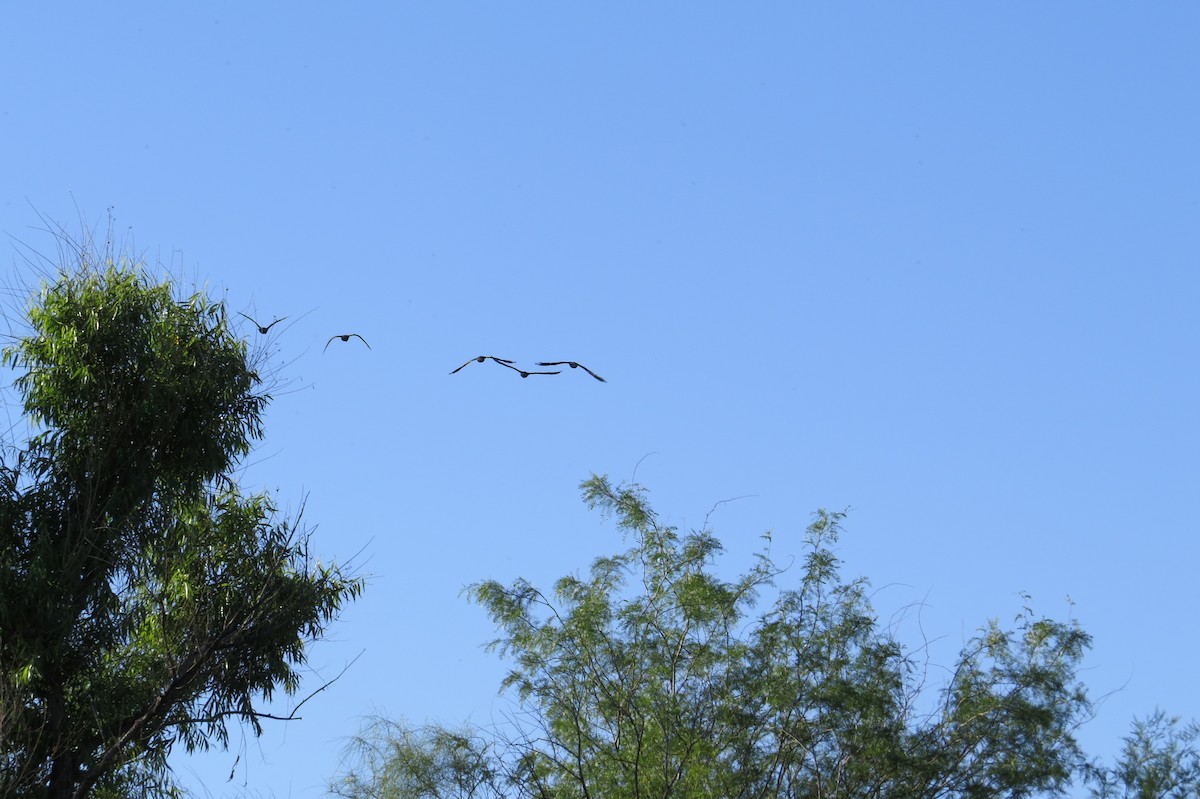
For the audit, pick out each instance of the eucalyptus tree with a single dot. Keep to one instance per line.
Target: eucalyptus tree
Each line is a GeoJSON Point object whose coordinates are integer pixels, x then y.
{"type": "Point", "coordinates": [653, 677]}
{"type": "Point", "coordinates": [145, 600]}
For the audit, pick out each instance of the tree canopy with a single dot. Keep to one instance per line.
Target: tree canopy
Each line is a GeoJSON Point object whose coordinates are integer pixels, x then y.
{"type": "Point", "coordinates": [654, 677]}
{"type": "Point", "coordinates": [1159, 760]}
{"type": "Point", "coordinates": [145, 600]}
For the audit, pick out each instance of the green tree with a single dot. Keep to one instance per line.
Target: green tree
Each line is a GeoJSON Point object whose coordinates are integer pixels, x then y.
{"type": "Point", "coordinates": [1159, 760]}
{"type": "Point", "coordinates": [652, 677]}
{"type": "Point", "coordinates": [144, 599]}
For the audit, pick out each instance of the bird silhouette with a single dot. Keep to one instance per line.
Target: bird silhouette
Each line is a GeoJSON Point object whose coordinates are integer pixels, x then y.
{"type": "Point", "coordinates": [481, 359]}
{"type": "Point", "coordinates": [573, 365]}
{"type": "Point", "coordinates": [261, 328]}
{"type": "Point", "coordinates": [527, 374]}
{"type": "Point", "coordinates": [345, 337]}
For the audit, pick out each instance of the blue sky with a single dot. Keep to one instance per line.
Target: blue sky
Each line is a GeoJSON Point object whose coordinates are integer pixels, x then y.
{"type": "Point", "coordinates": [937, 263]}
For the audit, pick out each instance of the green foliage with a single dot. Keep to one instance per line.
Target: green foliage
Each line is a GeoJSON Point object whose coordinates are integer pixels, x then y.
{"type": "Point", "coordinates": [1160, 760]}
{"type": "Point", "coordinates": [431, 761]}
{"type": "Point", "coordinates": [654, 677]}
{"type": "Point", "coordinates": [143, 599]}
{"type": "Point", "coordinates": [116, 367]}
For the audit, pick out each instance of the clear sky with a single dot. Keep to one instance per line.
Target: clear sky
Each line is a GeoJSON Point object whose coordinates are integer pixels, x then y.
{"type": "Point", "coordinates": [937, 263]}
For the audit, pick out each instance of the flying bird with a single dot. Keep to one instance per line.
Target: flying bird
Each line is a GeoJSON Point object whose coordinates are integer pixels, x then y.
{"type": "Point", "coordinates": [345, 337]}
{"type": "Point", "coordinates": [482, 358]}
{"type": "Point", "coordinates": [527, 374]}
{"type": "Point", "coordinates": [261, 328]}
{"type": "Point", "coordinates": [573, 365]}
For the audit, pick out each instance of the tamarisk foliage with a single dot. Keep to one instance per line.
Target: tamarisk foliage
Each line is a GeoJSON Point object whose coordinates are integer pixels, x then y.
{"type": "Point", "coordinates": [653, 677]}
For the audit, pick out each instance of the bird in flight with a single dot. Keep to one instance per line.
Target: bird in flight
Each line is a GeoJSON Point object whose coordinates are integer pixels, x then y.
{"type": "Point", "coordinates": [261, 328]}
{"type": "Point", "coordinates": [482, 358]}
{"type": "Point", "coordinates": [573, 365]}
{"type": "Point", "coordinates": [345, 337]}
{"type": "Point", "coordinates": [524, 373]}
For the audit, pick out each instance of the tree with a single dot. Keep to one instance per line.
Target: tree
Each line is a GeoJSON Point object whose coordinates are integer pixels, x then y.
{"type": "Point", "coordinates": [1159, 761]}
{"type": "Point", "coordinates": [144, 599]}
{"type": "Point", "coordinates": [652, 678]}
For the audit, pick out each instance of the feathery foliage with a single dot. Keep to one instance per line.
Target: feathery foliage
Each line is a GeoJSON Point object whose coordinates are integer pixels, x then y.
{"type": "Point", "coordinates": [653, 677]}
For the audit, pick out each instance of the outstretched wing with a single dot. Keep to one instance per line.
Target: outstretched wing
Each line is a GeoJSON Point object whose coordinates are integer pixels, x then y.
{"type": "Point", "coordinates": [573, 365]}
{"type": "Point", "coordinates": [482, 358]}
{"type": "Point", "coordinates": [524, 373]}
{"type": "Point", "coordinates": [590, 372]}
